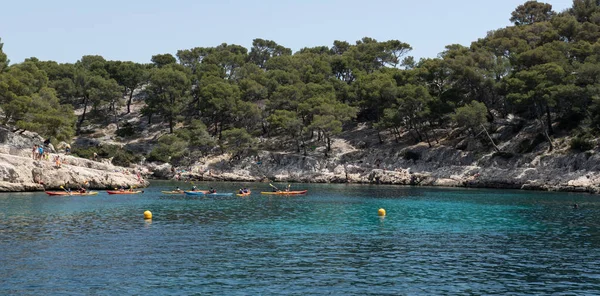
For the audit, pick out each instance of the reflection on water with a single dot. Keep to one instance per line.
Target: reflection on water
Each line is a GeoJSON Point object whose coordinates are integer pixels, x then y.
{"type": "Point", "coordinates": [331, 241]}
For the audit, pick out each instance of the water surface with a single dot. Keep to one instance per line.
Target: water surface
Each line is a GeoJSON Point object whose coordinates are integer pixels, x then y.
{"type": "Point", "coordinates": [330, 241]}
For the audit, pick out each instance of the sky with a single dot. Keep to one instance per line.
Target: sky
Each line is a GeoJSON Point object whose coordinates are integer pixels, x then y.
{"type": "Point", "coordinates": [135, 30]}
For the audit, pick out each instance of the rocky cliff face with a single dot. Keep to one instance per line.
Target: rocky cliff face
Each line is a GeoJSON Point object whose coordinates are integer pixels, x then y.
{"type": "Point", "coordinates": [440, 165]}
{"type": "Point", "coordinates": [20, 172]}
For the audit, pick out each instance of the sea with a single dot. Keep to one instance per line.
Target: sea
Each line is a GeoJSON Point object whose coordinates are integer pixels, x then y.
{"type": "Point", "coordinates": [329, 241]}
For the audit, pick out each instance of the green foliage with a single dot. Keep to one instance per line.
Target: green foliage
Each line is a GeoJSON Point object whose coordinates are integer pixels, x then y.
{"type": "Point", "coordinates": [197, 137]}
{"type": "Point", "coordinates": [471, 116]}
{"type": "Point", "coordinates": [119, 155]}
{"type": "Point", "coordinates": [168, 94]}
{"type": "Point", "coordinates": [263, 50]}
{"type": "Point", "coordinates": [126, 130]}
{"type": "Point", "coordinates": [238, 142]}
{"type": "Point", "coordinates": [544, 68]}
{"type": "Point", "coordinates": [532, 12]}
{"type": "Point", "coordinates": [161, 60]}
{"type": "Point", "coordinates": [3, 58]}
{"type": "Point", "coordinates": [581, 143]}
{"type": "Point", "coordinates": [28, 103]}
{"type": "Point", "coordinates": [170, 149]}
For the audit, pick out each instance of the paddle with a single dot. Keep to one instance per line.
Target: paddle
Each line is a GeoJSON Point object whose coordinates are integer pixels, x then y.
{"type": "Point", "coordinates": [274, 187]}
{"type": "Point", "coordinates": [63, 188]}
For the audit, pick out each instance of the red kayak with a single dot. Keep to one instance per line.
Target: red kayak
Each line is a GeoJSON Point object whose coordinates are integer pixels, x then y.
{"type": "Point", "coordinates": [285, 192]}
{"type": "Point", "coordinates": [122, 192]}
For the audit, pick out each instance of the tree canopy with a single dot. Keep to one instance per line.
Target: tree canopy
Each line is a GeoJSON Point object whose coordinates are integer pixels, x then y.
{"type": "Point", "coordinates": [544, 68]}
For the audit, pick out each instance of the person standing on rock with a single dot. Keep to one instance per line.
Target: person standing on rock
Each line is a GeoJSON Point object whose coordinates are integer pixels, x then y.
{"type": "Point", "coordinates": [34, 152]}
{"type": "Point", "coordinates": [57, 161]}
{"type": "Point", "coordinates": [40, 152]}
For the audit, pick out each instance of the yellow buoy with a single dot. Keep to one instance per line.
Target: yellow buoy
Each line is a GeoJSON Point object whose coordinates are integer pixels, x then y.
{"type": "Point", "coordinates": [381, 212]}
{"type": "Point", "coordinates": [147, 215]}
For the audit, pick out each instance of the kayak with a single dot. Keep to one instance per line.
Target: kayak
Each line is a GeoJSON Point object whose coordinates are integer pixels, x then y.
{"type": "Point", "coordinates": [244, 194]}
{"type": "Point", "coordinates": [123, 192]}
{"type": "Point", "coordinates": [219, 194]}
{"type": "Point", "coordinates": [207, 194]}
{"type": "Point", "coordinates": [173, 192]}
{"type": "Point", "coordinates": [70, 193]}
{"type": "Point", "coordinates": [182, 191]}
{"type": "Point", "coordinates": [285, 192]}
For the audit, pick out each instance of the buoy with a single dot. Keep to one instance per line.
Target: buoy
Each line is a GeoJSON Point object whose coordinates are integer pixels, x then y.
{"type": "Point", "coordinates": [381, 212]}
{"type": "Point", "coordinates": [147, 215]}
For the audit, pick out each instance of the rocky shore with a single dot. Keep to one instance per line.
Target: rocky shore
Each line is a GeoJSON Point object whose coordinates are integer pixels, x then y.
{"type": "Point", "coordinates": [460, 162]}
{"type": "Point", "coordinates": [420, 165]}
{"type": "Point", "coordinates": [20, 172]}
{"type": "Point", "coordinates": [448, 168]}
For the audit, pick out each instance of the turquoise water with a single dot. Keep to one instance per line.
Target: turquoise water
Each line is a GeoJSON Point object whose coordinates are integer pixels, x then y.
{"type": "Point", "coordinates": [330, 241]}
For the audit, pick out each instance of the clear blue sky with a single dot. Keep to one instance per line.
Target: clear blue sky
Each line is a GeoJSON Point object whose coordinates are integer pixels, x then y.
{"type": "Point", "coordinates": [65, 30]}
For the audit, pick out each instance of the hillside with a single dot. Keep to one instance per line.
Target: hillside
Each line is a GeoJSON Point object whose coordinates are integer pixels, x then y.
{"type": "Point", "coordinates": [455, 159]}
{"type": "Point", "coordinates": [517, 108]}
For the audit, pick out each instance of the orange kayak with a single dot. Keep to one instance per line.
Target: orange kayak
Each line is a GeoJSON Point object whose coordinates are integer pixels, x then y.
{"type": "Point", "coordinates": [244, 194]}
{"type": "Point", "coordinates": [285, 192]}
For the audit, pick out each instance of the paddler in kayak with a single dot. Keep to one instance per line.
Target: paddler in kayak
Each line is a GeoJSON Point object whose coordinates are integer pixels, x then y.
{"type": "Point", "coordinates": [212, 190]}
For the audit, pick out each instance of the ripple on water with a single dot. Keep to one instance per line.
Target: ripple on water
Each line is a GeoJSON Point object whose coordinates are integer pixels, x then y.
{"type": "Point", "coordinates": [331, 241]}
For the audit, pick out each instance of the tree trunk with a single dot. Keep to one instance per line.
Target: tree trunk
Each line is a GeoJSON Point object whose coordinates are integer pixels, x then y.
{"type": "Point", "coordinates": [427, 138]}
{"type": "Point", "coordinates": [85, 103]}
{"type": "Point", "coordinates": [549, 121]}
{"type": "Point", "coordinates": [433, 133]}
{"type": "Point", "coordinates": [216, 125]}
{"type": "Point", "coordinates": [545, 129]}
{"type": "Point", "coordinates": [420, 137]}
{"type": "Point", "coordinates": [491, 140]}
{"type": "Point", "coordinates": [379, 136]}
{"type": "Point", "coordinates": [129, 101]}
{"type": "Point", "coordinates": [396, 135]}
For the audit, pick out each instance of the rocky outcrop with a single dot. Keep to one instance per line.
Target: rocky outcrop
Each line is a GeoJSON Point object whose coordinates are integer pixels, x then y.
{"type": "Point", "coordinates": [20, 172]}
{"type": "Point", "coordinates": [417, 165]}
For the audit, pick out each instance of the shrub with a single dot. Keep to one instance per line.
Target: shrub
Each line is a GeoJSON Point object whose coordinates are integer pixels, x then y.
{"type": "Point", "coordinates": [411, 155]}
{"type": "Point", "coordinates": [581, 143]}
{"type": "Point", "coordinates": [127, 130]}
{"type": "Point", "coordinates": [120, 156]}
{"type": "Point", "coordinates": [170, 148]}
